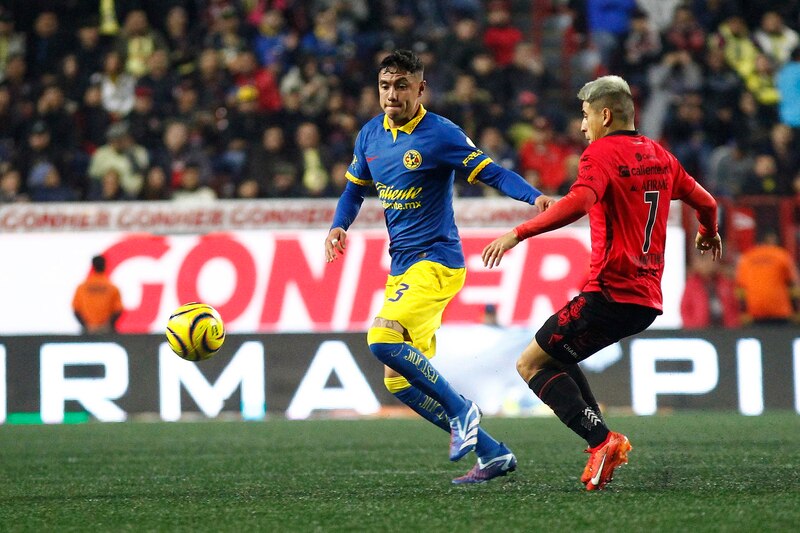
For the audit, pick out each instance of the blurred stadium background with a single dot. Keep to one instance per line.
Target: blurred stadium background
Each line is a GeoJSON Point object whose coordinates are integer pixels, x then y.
{"type": "Point", "coordinates": [200, 145]}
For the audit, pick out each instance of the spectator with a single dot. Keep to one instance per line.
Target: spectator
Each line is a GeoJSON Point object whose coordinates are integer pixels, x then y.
{"type": "Point", "coordinates": [608, 21]}
{"type": "Point", "coordinates": [709, 296]}
{"type": "Point", "coordinates": [265, 158]}
{"type": "Point", "coordinates": [51, 109]}
{"type": "Point", "coordinates": [97, 302]}
{"type": "Point", "coordinates": [285, 183]}
{"type": "Point", "coordinates": [226, 36]}
{"type": "Point", "coordinates": [137, 42]}
{"type": "Point", "coordinates": [11, 187]}
{"type": "Point", "coordinates": [212, 80]}
{"type": "Point", "coordinates": [720, 91]}
{"type": "Point", "coordinates": [11, 42]}
{"type": "Point", "coordinates": [146, 124]}
{"type": "Point", "coordinates": [685, 132]}
{"type": "Point", "coordinates": [641, 47]}
{"type": "Point", "coordinates": [116, 86]}
{"type": "Point", "coordinates": [109, 188]}
{"type": "Point", "coordinates": [177, 151]}
{"type": "Point", "coordinates": [92, 120]}
{"type": "Point", "coordinates": [275, 43]}
{"type": "Point", "coordinates": [734, 39]}
{"type": "Point", "coordinates": [783, 147]}
{"type": "Point", "coordinates": [500, 35]}
{"type": "Point", "coordinates": [775, 38]}
{"type": "Point", "coordinates": [461, 44]}
{"type": "Point", "coordinates": [761, 82]}
{"type": "Point", "coordinates": [466, 104]}
{"type": "Point", "coordinates": [728, 168]}
{"type": "Point", "coordinates": [121, 153]}
{"type": "Point", "coordinates": [313, 159]}
{"type": "Point", "coordinates": [527, 73]}
{"type": "Point", "coordinates": [768, 284]}
{"type": "Point", "coordinates": [685, 33]}
{"type": "Point", "coordinates": [191, 188]}
{"type": "Point", "coordinates": [161, 81]}
{"type": "Point", "coordinates": [51, 188]}
{"type": "Point", "coordinates": [543, 155]}
{"type": "Point", "coordinates": [764, 178]}
{"type": "Point", "coordinates": [312, 86]}
{"type": "Point", "coordinates": [182, 43]}
{"type": "Point", "coordinates": [46, 45]}
{"type": "Point", "coordinates": [89, 50]}
{"type": "Point", "coordinates": [246, 124]}
{"type": "Point", "coordinates": [155, 186]}
{"type": "Point", "coordinates": [495, 145]}
{"type": "Point", "coordinates": [675, 75]}
{"type": "Point", "coordinates": [246, 71]}
{"type": "Point", "coordinates": [36, 159]}
{"type": "Point", "coordinates": [489, 77]}
{"type": "Point", "coordinates": [788, 84]}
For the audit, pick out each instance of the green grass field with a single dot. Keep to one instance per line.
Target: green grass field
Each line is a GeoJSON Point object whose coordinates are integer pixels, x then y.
{"type": "Point", "coordinates": [701, 472]}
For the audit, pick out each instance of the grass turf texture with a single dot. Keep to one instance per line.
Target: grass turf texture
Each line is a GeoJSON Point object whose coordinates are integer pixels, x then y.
{"type": "Point", "coordinates": [703, 471]}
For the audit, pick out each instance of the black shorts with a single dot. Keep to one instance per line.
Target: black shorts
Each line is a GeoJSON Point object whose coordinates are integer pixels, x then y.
{"type": "Point", "coordinates": [589, 323]}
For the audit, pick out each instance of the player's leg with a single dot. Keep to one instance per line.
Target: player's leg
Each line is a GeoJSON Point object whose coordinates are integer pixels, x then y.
{"type": "Point", "coordinates": [487, 448]}
{"type": "Point", "coordinates": [584, 326]}
{"type": "Point", "coordinates": [418, 401]}
{"type": "Point", "coordinates": [413, 305]}
{"type": "Point", "coordinates": [385, 339]}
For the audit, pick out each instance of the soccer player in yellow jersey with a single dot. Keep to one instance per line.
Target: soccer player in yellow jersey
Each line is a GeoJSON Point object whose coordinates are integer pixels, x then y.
{"type": "Point", "coordinates": [411, 156]}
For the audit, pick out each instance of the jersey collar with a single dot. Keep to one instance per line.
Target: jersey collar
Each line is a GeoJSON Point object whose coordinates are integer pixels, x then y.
{"type": "Point", "coordinates": [409, 126]}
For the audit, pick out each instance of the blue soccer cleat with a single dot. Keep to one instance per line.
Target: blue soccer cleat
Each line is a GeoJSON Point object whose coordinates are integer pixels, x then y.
{"type": "Point", "coordinates": [499, 465]}
{"type": "Point", "coordinates": [464, 431]}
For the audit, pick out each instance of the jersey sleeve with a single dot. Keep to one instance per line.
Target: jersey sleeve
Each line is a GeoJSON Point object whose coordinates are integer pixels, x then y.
{"type": "Point", "coordinates": [592, 173]}
{"type": "Point", "coordinates": [457, 151]}
{"type": "Point", "coordinates": [358, 171]}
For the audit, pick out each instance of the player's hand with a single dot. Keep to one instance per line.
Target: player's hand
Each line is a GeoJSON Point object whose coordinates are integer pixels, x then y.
{"type": "Point", "coordinates": [495, 250]}
{"type": "Point", "coordinates": [709, 244]}
{"type": "Point", "coordinates": [335, 244]}
{"type": "Point", "coordinates": [543, 202]}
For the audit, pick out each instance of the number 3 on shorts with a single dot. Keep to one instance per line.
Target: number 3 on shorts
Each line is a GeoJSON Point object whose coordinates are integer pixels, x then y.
{"type": "Point", "coordinates": [397, 295]}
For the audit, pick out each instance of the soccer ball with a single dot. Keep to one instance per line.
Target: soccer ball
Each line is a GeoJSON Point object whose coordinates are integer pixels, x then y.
{"type": "Point", "coordinates": [195, 331]}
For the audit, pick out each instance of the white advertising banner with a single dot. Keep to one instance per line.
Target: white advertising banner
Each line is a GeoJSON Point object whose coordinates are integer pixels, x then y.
{"type": "Point", "coordinates": [273, 280]}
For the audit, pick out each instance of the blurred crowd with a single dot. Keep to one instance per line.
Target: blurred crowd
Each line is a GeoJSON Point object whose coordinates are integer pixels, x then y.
{"type": "Point", "coordinates": [108, 100]}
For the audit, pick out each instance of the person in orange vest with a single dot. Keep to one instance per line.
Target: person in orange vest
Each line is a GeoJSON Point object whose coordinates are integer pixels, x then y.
{"type": "Point", "coordinates": [97, 302]}
{"type": "Point", "coordinates": [768, 284]}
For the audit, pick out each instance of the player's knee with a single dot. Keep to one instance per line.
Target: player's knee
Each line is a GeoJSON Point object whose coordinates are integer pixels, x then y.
{"type": "Point", "coordinates": [396, 384]}
{"type": "Point", "coordinates": [531, 361]}
{"type": "Point", "coordinates": [383, 342]}
{"type": "Point", "coordinates": [526, 369]}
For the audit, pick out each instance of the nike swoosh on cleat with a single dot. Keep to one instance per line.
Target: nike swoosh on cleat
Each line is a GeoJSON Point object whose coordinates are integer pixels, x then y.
{"type": "Point", "coordinates": [596, 478]}
{"type": "Point", "coordinates": [507, 458]}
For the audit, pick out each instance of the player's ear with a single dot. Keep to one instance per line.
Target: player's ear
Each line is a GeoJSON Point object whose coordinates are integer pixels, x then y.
{"type": "Point", "coordinates": [608, 116]}
{"type": "Point", "coordinates": [422, 86]}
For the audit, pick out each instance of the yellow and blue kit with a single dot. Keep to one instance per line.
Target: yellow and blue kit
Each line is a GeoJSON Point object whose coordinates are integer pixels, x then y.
{"type": "Point", "coordinates": [413, 168]}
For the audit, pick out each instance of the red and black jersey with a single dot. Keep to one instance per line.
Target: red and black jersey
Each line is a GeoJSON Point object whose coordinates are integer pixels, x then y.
{"type": "Point", "coordinates": [634, 179]}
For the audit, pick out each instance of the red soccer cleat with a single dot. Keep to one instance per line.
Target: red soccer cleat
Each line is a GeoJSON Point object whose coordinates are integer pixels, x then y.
{"type": "Point", "coordinates": [603, 459]}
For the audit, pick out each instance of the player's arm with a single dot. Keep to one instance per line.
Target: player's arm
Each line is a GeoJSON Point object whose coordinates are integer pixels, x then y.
{"type": "Point", "coordinates": [572, 207]}
{"type": "Point", "coordinates": [707, 239]}
{"type": "Point", "coordinates": [346, 212]}
{"type": "Point", "coordinates": [513, 185]}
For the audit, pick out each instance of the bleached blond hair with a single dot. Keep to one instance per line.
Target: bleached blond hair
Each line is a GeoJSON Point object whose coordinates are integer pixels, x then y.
{"type": "Point", "coordinates": [612, 92]}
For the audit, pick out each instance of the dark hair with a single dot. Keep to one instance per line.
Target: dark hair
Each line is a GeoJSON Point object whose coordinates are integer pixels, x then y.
{"type": "Point", "coordinates": [401, 61]}
{"type": "Point", "coordinates": [99, 263]}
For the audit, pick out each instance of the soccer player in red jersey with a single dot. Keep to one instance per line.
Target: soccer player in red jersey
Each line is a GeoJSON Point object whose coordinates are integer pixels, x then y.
{"type": "Point", "coordinates": [625, 183]}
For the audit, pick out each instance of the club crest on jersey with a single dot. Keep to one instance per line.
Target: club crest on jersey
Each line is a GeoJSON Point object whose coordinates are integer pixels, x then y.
{"type": "Point", "coordinates": [412, 159]}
